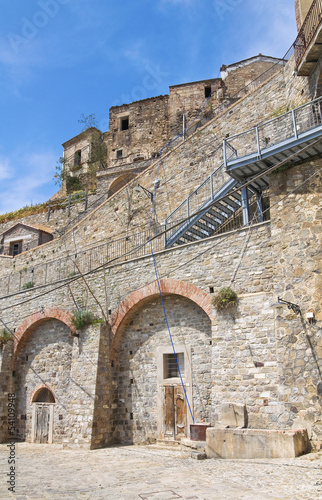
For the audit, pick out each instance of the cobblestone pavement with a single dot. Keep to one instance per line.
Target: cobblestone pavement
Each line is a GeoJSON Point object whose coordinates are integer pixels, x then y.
{"type": "Point", "coordinates": [148, 473]}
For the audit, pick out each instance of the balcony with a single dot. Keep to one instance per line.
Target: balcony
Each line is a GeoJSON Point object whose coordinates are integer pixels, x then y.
{"type": "Point", "coordinates": [308, 44]}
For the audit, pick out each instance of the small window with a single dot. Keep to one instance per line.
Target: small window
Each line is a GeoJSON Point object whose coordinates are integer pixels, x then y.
{"type": "Point", "coordinates": [170, 367]}
{"type": "Point", "coordinates": [15, 248]}
{"type": "Point", "coordinates": [44, 396]}
{"type": "Point", "coordinates": [124, 123]}
{"type": "Point", "coordinates": [119, 154]}
{"type": "Point", "coordinates": [77, 158]}
{"type": "Point", "coordinates": [207, 92]}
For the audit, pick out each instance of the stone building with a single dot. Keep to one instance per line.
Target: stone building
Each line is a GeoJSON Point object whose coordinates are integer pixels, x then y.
{"type": "Point", "coordinates": [234, 202]}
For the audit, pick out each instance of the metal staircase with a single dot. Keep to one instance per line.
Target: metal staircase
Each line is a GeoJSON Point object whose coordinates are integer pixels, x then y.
{"type": "Point", "coordinates": [220, 199]}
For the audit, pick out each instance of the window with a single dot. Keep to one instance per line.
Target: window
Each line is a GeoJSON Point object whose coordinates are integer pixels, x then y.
{"type": "Point", "coordinates": [44, 396]}
{"type": "Point", "coordinates": [15, 248]}
{"type": "Point", "coordinates": [119, 154]}
{"type": "Point", "coordinates": [77, 158]}
{"type": "Point", "coordinates": [170, 368]}
{"type": "Point", "coordinates": [124, 124]}
{"type": "Point", "coordinates": [207, 92]}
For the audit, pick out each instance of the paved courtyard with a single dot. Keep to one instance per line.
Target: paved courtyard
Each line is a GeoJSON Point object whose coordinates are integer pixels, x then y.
{"type": "Point", "coordinates": [148, 473]}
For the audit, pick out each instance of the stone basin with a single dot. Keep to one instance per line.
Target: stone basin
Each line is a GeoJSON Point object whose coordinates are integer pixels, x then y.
{"type": "Point", "coordinates": [256, 443]}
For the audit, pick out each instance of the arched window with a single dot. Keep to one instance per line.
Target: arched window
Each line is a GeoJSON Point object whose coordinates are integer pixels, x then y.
{"type": "Point", "coordinates": [44, 396]}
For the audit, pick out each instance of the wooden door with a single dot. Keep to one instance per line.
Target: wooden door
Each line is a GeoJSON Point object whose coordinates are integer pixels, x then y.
{"type": "Point", "coordinates": [168, 412]}
{"type": "Point", "coordinates": [174, 413]}
{"type": "Point", "coordinates": [43, 423]}
{"type": "Point", "coordinates": [180, 413]}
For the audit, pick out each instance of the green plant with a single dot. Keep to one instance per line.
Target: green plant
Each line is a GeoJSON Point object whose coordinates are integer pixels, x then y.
{"type": "Point", "coordinates": [29, 284]}
{"type": "Point", "coordinates": [88, 121]}
{"type": "Point", "coordinates": [5, 337]}
{"type": "Point", "coordinates": [84, 318]}
{"type": "Point", "coordinates": [225, 298]}
{"type": "Point", "coordinates": [73, 273]}
{"type": "Point", "coordinates": [281, 110]}
{"type": "Point", "coordinates": [283, 168]}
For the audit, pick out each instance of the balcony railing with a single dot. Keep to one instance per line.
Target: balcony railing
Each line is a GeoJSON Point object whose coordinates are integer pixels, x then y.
{"type": "Point", "coordinates": [308, 30]}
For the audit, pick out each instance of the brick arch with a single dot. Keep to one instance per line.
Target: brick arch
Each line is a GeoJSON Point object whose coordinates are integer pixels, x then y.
{"type": "Point", "coordinates": [36, 391]}
{"type": "Point", "coordinates": [135, 300]}
{"type": "Point", "coordinates": [40, 317]}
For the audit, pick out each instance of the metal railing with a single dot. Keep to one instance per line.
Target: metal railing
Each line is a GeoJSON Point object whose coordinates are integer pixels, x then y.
{"type": "Point", "coordinates": [236, 220]}
{"type": "Point", "coordinates": [67, 202]}
{"type": "Point", "coordinates": [197, 199]}
{"type": "Point", "coordinates": [308, 30]}
{"type": "Point", "coordinates": [134, 245]}
{"type": "Point", "coordinates": [123, 249]}
{"type": "Point", "coordinates": [290, 125]}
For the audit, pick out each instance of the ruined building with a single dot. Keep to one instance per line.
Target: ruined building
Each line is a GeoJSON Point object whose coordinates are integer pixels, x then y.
{"type": "Point", "coordinates": [235, 197]}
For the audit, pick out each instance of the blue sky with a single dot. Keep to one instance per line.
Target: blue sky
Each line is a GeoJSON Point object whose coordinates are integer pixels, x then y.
{"type": "Point", "coordinates": [63, 58]}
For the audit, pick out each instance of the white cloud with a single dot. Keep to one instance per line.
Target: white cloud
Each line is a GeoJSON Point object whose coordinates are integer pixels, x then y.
{"type": "Point", "coordinates": [5, 170]}
{"type": "Point", "coordinates": [274, 30]}
{"type": "Point", "coordinates": [30, 186]}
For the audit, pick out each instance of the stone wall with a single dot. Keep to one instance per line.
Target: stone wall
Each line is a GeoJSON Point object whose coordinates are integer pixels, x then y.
{"type": "Point", "coordinates": [239, 75]}
{"type": "Point", "coordinates": [6, 388]}
{"type": "Point", "coordinates": [296, 238]}
{"type": "Point", "coordinates": [140, 394]}
{"type": "Point", "coordinates": [188, 99]}
{"type": "Point", "coordinates": [108, 386]}
{"type": "Point", "coordinates": [301, 9]}
{"type": "Point", "coordinates": [83, 152]}
{"type": "Point", "coordinates": [147, 131]}
{"type": "Point", "coordinates": [180, 172]}
{"type": "Point", "coordinates": [76, 370]}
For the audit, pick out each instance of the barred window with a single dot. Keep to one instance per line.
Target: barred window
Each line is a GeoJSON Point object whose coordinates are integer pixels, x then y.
{"type": "Point", "coordinates": [170, 367]}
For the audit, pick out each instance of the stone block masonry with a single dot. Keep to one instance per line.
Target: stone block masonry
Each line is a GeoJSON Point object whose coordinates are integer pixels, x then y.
{"type": "Point", "coordinates": [250, 443]}
{"type": "Point", "coordinates": [119, 383]}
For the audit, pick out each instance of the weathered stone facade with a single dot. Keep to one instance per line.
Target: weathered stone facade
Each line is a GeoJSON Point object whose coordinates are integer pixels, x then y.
{"type": "Point", "coordinates": [119, 383]}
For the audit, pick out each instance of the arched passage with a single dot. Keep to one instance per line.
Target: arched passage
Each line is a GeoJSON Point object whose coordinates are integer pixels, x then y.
{"type": "Point", "coordinates": [152, 403]}
{"type": "Point", "coordinates": [42, 377]}
{"type": "Point", "coordinates": [120, 182]}
{"type": "Point", "coordinates": [136, 299]}
{"type": "Point", "coordinates": [35, 319]}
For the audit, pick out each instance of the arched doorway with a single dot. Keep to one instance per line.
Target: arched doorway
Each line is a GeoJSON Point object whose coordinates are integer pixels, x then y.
{"type": "Point", "coordinates": [152, 402]}
{"type": "Point", "coordinates": [42, 367]}
{"type": "Point", "coordinates": [43, 403]}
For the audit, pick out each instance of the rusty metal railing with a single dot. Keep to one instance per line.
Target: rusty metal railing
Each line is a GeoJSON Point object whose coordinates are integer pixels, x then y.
{"type": "Point", "coordinates": [308, 30]}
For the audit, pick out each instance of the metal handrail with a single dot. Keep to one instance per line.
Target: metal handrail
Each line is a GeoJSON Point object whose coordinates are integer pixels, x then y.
{"type": "Point", "coordinates": [308, 30]}
{"type": "Point", "coordinates": [287, 126]}
{"type": "Point", "coordinates": [210, 179]}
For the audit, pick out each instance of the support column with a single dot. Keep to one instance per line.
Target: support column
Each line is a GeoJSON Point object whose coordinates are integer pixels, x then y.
{"type": "Point", "coordinates": [245, 206]}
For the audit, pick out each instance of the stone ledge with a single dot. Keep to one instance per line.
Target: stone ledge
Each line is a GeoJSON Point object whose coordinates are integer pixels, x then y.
{"type": "Point", "coordinates": [256, 443]}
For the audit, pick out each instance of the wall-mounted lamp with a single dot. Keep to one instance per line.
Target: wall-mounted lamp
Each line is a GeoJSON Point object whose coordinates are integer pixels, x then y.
{"type": "Point", "coordinates": [281, 303]}
{"type": "Point", "coordinates": [310, 317]}
{"type": "Point", "coordinates": [146, 191]}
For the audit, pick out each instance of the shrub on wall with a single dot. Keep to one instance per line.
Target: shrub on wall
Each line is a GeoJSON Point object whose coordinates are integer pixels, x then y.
{"type": "Point", "coordinates": [84, 318]}
{"type": "Point", "coordinates": [5, 337]}
{"type": "Point", "coordinates": [29, 284]}
{"type": "Point", "coordinates": [225, 298]}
